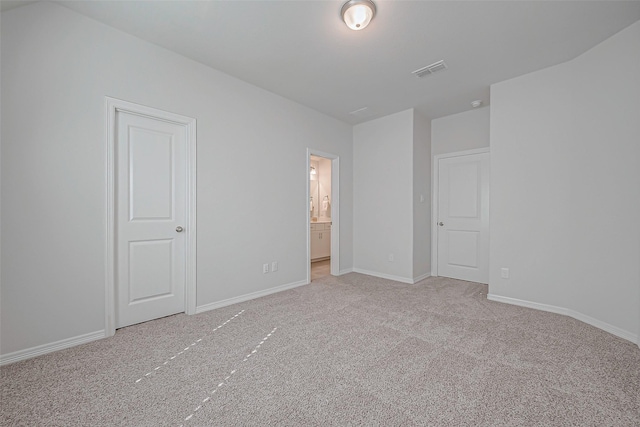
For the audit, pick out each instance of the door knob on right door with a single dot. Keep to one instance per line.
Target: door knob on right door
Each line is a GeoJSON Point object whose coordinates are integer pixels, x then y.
{"type": "Point", "coordinates": [441, 223]}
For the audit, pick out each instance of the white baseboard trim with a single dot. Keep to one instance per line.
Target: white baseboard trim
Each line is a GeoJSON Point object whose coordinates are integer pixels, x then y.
{"type": "Point", "coordinates": [345, 271]}
{"type": "Point", "coordinates": [568, 312]}
{"type": "Point", "coordinates": [421, 277]}
{"type": "Point", "coordinates": [247, 297]}
{"type": "Point", "coordinates": [384, 276]}
{"type": "Point", "coordinates": [391, 277]}
{"type": "Point", "coordinates": [39, 350]}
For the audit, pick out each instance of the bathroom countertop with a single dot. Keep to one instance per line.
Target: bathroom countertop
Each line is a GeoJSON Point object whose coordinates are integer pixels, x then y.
{"type": "Point", "coordinates": [321, 221]}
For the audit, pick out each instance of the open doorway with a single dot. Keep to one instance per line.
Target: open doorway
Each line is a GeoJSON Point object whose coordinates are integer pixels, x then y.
{"type": "Point", "coordinates": [322, 215]}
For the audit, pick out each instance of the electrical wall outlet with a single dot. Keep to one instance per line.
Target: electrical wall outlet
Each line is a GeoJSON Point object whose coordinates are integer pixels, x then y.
{"type": "Point", "coordinates": [504, 273]}
{"type": "Point", "coordinates": [265, 268]}
{"type": "Point", "coordinates": [391, 258]}
{"type": "Point", "coordinates": [274, 266]}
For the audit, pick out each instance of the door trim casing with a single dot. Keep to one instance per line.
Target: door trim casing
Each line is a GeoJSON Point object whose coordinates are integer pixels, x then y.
{"type": "Point", "coordinates": [434, 200]}
{"type": "Point", "coordinates": [113, 106]}
{"type": "Point", "coordinates": [335, 210]}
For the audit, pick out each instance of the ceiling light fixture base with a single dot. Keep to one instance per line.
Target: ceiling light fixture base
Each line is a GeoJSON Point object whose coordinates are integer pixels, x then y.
{"type": "Point", "coordinates": [358, 13]}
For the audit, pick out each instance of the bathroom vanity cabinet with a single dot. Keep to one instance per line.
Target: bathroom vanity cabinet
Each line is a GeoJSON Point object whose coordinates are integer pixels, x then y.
{"type": "Point", "coordinates": [320, 240]}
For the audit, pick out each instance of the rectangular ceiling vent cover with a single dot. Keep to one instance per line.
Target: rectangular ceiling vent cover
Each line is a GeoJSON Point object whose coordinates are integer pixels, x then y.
{"type": "Point", "coordinates": [361, 113]}
{"type": "Point", "coordinates": [430, 69]}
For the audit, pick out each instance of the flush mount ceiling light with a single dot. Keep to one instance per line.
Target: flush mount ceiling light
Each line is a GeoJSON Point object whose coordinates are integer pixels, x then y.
{"type": "Point", "coordinates": [358, 13]}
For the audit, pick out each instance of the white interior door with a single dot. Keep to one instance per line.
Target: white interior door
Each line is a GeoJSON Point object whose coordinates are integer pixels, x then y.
{"type": "Point", "coordinates": [463, 217]}
{"type": "Point", "coordinates": [151, 184]}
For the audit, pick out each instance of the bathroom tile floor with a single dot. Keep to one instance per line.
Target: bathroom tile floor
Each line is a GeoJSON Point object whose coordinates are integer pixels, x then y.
{"type": "Point", "coordinates": [320, 269]}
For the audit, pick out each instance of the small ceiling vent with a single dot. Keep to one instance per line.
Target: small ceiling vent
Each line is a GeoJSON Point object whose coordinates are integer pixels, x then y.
{"type": "Point", "coordinates": [361, 112]}
{"type": "Point", "coordinates": [430, 69]}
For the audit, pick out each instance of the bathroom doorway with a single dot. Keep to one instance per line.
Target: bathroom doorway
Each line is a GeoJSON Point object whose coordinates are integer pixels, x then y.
{"type": "Point", "coordinates": [322, 212]}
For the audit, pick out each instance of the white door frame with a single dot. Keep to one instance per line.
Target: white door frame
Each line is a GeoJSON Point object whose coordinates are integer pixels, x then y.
{"type": "Point", "coordinates": [113, 106]}
{"type": "Point", "coordinates": [434, 200]}
{"type": "Point", "coordinates": [335, 210]}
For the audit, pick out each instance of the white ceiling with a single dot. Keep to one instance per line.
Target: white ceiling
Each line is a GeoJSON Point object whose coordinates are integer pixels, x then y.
{"type": "Point", "coordinates": [302, 50]}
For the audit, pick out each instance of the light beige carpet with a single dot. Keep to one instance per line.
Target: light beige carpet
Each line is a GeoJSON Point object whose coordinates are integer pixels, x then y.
{"type": "Point", "coordinates": [347, 351]}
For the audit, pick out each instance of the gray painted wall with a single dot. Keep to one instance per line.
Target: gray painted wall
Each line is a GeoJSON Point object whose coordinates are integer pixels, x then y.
{"type": "Point", "coordinates": [459, 132]}
{"type": "Point", "coordinates": [383, 195]}
{"type": "Point", "coordinates": [57, 67]}
{"type": "Point", "coordinates": [565, 185]}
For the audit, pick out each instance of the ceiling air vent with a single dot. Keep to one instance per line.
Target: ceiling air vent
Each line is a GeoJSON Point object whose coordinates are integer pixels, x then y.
{"type": "Point", "coordinates": [430, 69]}
{"type": "Point", "coordinates": [361, 112]}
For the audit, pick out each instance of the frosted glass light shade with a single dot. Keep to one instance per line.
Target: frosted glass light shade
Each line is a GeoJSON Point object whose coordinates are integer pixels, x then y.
{"type": "Point", "coordinates": [358, 13]}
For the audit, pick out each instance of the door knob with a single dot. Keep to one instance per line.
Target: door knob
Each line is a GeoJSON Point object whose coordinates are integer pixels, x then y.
{"type": "Point", "coordinates": [441, 223]}
{"type": "Point", "coordinates": [179, 229]}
